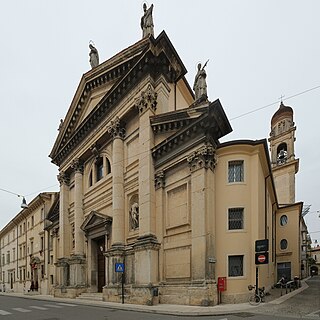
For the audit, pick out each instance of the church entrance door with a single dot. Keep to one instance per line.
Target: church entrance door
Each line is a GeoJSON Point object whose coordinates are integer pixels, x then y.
{"type": "Point", "coordinates": [101, 260]}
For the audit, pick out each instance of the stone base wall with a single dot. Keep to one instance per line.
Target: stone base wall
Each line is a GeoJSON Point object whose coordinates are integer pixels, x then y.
{"type": "Point", "coordinates": [186, 294]}
{"type": "Point", "coordinates": [68, 292]}
{"type": "Point", "coordinates": [132, 294]}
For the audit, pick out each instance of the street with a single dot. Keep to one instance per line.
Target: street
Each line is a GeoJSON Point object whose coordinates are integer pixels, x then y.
{"type": "Point", "coordinates": [305, 305]}
{"type": "Point", "coordinates": [20, 308]}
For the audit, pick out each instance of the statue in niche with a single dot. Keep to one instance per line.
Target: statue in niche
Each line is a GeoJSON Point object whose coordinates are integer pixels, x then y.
{"type": "Point", "coordinates": [134, 216]}
{"type": "Point", "coordinates": [94, 56]}
{"type": "Point", "coordinates": [200, 84]}
{"type": "Point", "coordinates": [147, 21]}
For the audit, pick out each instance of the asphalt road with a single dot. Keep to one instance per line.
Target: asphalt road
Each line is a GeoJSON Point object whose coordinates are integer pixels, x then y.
{"type": "Point", "coordinates": [305, 305]}
{"type": "Point", "coordinates": [29, 309]}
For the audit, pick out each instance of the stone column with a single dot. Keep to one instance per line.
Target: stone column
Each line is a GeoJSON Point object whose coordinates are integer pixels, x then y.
{"type": "Point", "coordinates": [147, 246]}
{"type": "Point", "coordinates": [117, 131]}
{"type": "Point", "coordinates": [200, 162]}
{"type": "Point", "coordinates": [78, 207]}
{"type": "Point", "coordinates": [147, 106]}
{"type": "Point", "coordinates": [64, 225]}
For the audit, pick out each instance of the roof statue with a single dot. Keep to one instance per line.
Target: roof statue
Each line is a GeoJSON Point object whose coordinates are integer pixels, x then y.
{"type": "Point", "coordinates": [147, 21]}
{"type": "Point", "coordinates": [94, 56]}
{"type": "Point", "coordinates": [200, 84]}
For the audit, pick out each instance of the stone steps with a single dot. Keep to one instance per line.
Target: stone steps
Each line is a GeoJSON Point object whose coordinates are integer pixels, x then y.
{"type": "Point", "coordinates": [92, 296]}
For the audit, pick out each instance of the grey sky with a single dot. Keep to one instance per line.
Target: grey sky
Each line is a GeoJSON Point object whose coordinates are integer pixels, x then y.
{"type": "Point", "coordinates": [258, 51]}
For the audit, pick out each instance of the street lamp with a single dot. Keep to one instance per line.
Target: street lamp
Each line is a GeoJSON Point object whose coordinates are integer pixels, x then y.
{"type": "Point", "coordinates": [24, 204]}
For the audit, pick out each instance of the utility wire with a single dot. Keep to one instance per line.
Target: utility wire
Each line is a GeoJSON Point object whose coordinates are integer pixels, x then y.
{"type": "Point", "coordinates": [234, 118]}
{"type": "Point", "coordinates": [276, 102]}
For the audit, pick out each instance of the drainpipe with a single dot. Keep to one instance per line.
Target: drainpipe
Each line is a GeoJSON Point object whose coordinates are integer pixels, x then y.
{"type": "Point", "coordinates": [265, 206]}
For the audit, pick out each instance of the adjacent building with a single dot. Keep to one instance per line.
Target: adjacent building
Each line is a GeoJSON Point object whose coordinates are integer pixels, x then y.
{"type": "Point", "coordinates": [26, 263]}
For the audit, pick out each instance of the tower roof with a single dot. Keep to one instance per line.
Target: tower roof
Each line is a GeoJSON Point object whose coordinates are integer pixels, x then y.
{"type": "Point", "coordinates": [282, 112]}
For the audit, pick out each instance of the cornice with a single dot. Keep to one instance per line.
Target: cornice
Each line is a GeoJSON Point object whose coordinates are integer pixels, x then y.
{"type": "Point", "coordinates": [156, 59]}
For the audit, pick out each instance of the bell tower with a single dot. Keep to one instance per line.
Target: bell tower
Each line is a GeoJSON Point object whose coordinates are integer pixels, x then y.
{"type": "Point", "coordinates": [283, 162]}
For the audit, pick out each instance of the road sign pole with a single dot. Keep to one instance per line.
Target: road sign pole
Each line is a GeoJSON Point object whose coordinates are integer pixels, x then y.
{"type": "Point", "coordinates": [257, 279]}
{"type": "Point", "coordinates": [122, 287]}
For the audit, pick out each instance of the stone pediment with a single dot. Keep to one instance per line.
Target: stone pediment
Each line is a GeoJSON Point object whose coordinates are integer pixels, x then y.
{"type": "Point", "coordinates": [189, 127]}
{"type": "Point", "coordinates": [102, 88]}
{"type": "Point", "coordinates": [95, 220]}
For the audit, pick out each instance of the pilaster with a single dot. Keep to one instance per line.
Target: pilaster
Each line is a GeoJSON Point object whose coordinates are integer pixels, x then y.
{"type": "Point", "coordinates": [78, 207]}
{"type": "Point", "coordinates": [64, 225]}
{"type": "Point", "coordinates": [117, 131]}
{"type": "Point", "coordinates": [146, 104]}
{"type": "Point", "coordinates": [202, 163]}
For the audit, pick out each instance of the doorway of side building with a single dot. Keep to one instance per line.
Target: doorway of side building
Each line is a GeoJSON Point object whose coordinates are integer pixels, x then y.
{"type": "Point", "coordinates": [284, 270]}
{"type": "Point", "coordinates": [101, 263]}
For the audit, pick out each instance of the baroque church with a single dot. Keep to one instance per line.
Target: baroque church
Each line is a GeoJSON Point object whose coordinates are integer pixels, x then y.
{"type": "Point", "coordinates": [152, 207]}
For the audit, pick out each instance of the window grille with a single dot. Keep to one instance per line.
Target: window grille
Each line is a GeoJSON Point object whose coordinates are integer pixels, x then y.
{"type": "Point", "coordinates": [235, 266]}
{"type": "Point", "coordinates": [235, 171]}
{"type": "Point", "coordinates": [235, 218]}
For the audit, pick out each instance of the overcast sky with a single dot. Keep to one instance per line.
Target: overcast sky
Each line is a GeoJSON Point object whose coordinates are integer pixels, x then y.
{"type": "Point", "coordinates": [258, 51]}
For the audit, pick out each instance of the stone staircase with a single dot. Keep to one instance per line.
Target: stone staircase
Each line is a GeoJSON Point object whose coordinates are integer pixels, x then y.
{"type": "Point", "coordinates": [92, 296]}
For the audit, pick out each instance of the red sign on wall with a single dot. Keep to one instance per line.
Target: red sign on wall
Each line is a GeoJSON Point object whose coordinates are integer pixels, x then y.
{"type": "Point", "coordinates": [222, 283]}
{"type": "Point", "coordinates": [262, 258]}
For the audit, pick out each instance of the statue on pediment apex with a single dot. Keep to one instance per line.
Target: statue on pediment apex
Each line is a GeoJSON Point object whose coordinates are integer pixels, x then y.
{"type": "Point", "coordinates": [147, 21]}
{"type": "Point", "coordinates": [94, 56]}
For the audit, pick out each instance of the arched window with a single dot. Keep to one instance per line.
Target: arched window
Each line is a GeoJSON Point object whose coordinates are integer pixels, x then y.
{"type": "Point", "coordinates": [99, 168]}
{"type": "Point", "coordinates": [108, 166]}
{"type": "Point", "coordinates": [282, 153]}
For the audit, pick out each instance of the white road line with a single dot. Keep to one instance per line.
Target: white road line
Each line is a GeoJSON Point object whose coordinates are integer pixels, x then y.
{"type": "Point", "coordinates": [67, 304]}
{"type": "Point", "coordinates": [4, 313]}
{"type": "Point", "coordinates": [314, 314]}
{"type": "Point", "coordinates": [38, 308]}
{"type": "Point", "coordinates": [21, 309]}
{"type": "Point", "coordinates": [52, 306]}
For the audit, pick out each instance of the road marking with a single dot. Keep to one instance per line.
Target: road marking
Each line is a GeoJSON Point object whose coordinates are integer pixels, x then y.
{"type": "Point", "coordinates": [67, 304]}
{"type": "Point", "coordinates": [314, 314]}
{"type": "Point", "coordinates": [4, 313]}
{"type": "Point", "coordinates": [38, 308]}
{"type": "Point", "coordinates": [21, 309]}
{"type": "Point", "coordinates": [52, 306]}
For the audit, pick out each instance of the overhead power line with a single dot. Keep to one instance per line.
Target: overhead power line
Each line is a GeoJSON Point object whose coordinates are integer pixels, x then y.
{"type": "Point", "coordinates": [273, 103]}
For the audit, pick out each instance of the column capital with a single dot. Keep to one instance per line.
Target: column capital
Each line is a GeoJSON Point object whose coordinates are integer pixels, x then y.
{"type": "Point", "coordinates": [116, 129]}
{"type": "Point", "coordinates": [204, 157]}
{"type": "Point", "coordinates": [77, 166]}
{"type": "Point", "coordinates": [159, 179]}
{"type": "Point", "coordinates": [147, 100]}
{"type": "Point", "coordinates": [63, 178]}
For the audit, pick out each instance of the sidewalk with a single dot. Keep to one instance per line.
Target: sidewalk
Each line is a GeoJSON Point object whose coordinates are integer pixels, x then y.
{"type": "Point", "coordinates": [178, 310]}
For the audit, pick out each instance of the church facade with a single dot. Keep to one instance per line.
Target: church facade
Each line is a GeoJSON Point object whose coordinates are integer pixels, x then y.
{"type": "Point", "coordinates": [152, 207]}
{"type": "Point", "coordinates": [146, 187]}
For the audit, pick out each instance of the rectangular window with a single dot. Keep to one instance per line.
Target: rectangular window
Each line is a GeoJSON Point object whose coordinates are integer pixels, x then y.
{"type": "Point", "coordinates": [235, 218]}
{"type": "Point", "coordinates": [235, 171]}
{"type": "Point", "coordinates": [235, 265]}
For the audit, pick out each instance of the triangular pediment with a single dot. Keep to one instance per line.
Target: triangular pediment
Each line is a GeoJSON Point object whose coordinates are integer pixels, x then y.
{"type": "Point", "coordinates": [95, 220]}
{"type": "Point", "coordinates": [103, 87]}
